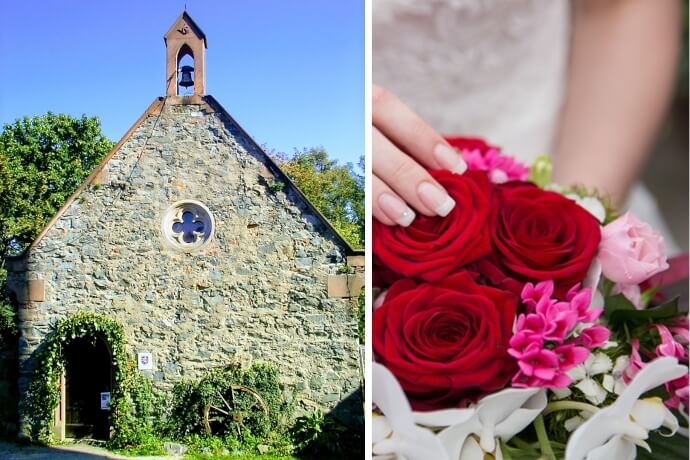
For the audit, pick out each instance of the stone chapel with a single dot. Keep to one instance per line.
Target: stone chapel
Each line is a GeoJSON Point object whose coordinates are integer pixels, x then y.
{"type": "Point", "coordinates": [190, 236]}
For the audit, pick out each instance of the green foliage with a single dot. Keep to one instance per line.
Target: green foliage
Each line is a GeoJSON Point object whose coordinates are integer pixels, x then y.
{"type": "Point", "coordinates": [316, 436]}
{"type": "Point", "coordinates": [8, 321]}
{"type": "Point", "coordinates": [215, 388]}
{"type": "Point", "coordinates": [136, 415]}
{"type": "Point", "coordinates": [619, 311]}
{"type": "Point", "coordinates": [276, 185]}
{"type": "Point", "coordinates": [132, 398]}
{"type": "Point", "coordinates": [43, 160]}
{"type": "Point", "coordinates": [337, 191]}
{"type": "Point", "coordinates": [149, 444]}
{"type": "Point", "coordinates": [8, 315]}
{"type": "Point", "coordinates": [307, 429]}
{"type": "Point", "coordinates": [274, 445]}
{"type": "Point", "coordinates": [673, 447]}
{"type": "Point", "coordinates": [345, 269]}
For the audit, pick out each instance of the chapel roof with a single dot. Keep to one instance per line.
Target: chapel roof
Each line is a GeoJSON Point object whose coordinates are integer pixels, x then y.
{"type": "Point", "coordinates": [212, 105]}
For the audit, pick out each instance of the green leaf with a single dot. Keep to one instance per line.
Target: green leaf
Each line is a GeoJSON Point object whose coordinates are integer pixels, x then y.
{"type": "Point", "coordinates": [619, 310]}
{"type": "Point", "coordinates": [671, 448]}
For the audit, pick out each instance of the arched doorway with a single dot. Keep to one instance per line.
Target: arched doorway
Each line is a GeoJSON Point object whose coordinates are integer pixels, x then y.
{"type": "Point", "coordinates": [88, 382]}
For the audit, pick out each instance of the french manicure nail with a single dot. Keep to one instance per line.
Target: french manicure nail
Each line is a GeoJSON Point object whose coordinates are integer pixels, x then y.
{"type": "Point", "coordinates": [450, 159]}
{"type": "Point", "coordinates": [436, 198]}
{"type": "Point", "coordinates": [396, 209]}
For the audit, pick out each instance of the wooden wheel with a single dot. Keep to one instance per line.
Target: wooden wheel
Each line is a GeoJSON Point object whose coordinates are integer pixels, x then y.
{"type": "Point", "coordinates": [234, 410]}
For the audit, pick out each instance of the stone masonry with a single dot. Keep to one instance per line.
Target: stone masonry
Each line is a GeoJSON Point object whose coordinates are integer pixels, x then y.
{"type": "Point", "coordinates": [256, 292]}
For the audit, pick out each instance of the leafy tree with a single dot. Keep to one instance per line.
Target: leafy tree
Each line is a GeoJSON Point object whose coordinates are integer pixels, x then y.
{"type": "Point", "coordinates": [43, 159]}
{"type": "Point", "coordinates": [336, 190]}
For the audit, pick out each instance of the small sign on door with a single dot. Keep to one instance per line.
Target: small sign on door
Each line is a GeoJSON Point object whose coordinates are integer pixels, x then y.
{"type": "Point", "coordinates": [105, 400]}
{"type": "Point", "coordinates": [145, 361]}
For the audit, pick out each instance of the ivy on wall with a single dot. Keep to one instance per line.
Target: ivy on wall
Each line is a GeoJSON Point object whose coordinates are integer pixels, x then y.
{"type": "Point", "coordinates": [132, 397]}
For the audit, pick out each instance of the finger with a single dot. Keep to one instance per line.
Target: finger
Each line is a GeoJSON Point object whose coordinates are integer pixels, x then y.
{"type": "Point", "coordinates": [407, 179]}
{"type": "Point", "coordinates": [389, 208]}
{"type": "Point", "coordinates": [412, 134]}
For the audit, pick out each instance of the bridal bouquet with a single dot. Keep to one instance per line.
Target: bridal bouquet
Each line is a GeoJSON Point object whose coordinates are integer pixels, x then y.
{"type": "Point", "coordinates": [525, 324]}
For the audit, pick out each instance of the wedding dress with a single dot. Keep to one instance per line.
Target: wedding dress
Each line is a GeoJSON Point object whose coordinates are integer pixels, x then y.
{"type": "Point", "coordinates": [489, 68]}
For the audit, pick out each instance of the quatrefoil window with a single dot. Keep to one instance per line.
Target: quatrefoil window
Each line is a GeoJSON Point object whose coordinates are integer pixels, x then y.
{"type": "Point", "coordinates": [188, 225]}
{"type": "Point", "coordinates": [188, 229]}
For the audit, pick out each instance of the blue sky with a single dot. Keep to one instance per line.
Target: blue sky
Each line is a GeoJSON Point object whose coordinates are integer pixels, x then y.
{"type": "Point", "coordinates": [290, 72]}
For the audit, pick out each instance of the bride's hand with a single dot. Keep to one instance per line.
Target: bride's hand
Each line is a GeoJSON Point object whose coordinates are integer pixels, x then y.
{"type": "Point", "coordinates": [401, 143]}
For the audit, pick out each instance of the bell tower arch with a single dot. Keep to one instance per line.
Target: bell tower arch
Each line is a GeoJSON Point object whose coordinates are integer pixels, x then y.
{"type": "Point", "coordinates": [185, 39]}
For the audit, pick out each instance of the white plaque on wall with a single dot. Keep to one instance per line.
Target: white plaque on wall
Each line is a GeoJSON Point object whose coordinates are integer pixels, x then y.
{"type": "Point", "coordinates": [105, 400]}
{"type": "Point", "coordinates": [144, 361]}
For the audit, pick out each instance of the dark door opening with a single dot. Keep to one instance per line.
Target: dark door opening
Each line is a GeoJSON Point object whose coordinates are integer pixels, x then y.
{"type": "Point", "coordinates": [88, 373]}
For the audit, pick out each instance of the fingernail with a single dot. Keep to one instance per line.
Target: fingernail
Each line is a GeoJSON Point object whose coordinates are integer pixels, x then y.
{"type": "Point", "coordinates": [436, 198]}
{"type": "Point", "coordinates": [396, 209]}
{"type": "Point", "coordinates": [450, 159]}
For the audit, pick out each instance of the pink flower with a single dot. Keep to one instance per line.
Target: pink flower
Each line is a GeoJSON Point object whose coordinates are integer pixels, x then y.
{"type": "Point", "coordinates": [571, 356]}
{"type": "Point", "coordinates": [635, 363]}
{"type": "Point", "coordinates": [538, 362]}
{"type": "Point", "coordinates": [532, 323]}
{"type": "Point", "coordinates": [630, 251]}
{"type": "Point", "coordinates": [594, 336]}
{"type": "Point", "coordinates": [521, 340]}
{"type": "Point", "coordinates": [679, 391]}
{"type": "Point", "coordinates": [545, 368]}
{"type": "Point", "coordinates": [680, 327]}
{"type": "Point", "coordinates": [580, 301]}
{"type": "Point", "coordinates": [560, 321]}
{"type": "Point", "coordinates": [501, 168]}
{"type": "Point", "coordinates": [668, 346]}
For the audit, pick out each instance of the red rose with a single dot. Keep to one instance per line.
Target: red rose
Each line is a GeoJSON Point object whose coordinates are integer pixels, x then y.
{"type": "Point", "coordinates": [470, 143]}
{"type": "Point", "coordinates": [447, 342]}
{"type": "Point", "coordinates": [541, 235]}
{"type": "Point", "coordinates": [433, 247]}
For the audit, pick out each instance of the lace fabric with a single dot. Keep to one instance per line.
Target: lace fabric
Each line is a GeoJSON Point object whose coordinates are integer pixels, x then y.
{"type": "Point", "coordinates": [492, 68]}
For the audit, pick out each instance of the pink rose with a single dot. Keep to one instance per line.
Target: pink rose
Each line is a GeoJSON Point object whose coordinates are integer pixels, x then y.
{"type": "Point", "coordinates": [631, 252]}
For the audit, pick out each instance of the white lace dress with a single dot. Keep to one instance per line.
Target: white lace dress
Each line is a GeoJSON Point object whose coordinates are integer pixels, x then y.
{"type": "Point", "coordinates": [490, 68]}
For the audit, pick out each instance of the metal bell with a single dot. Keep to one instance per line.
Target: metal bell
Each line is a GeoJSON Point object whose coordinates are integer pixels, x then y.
{"type": "Point", "coordinates": [186, 79]}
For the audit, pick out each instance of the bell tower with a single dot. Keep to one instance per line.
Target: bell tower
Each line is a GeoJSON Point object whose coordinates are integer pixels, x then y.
{"type": "Point", "coordinates": [185, 40]}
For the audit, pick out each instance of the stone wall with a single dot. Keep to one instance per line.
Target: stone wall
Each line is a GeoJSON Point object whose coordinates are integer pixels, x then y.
{"type": "Point", "coordinates": [256, 292]}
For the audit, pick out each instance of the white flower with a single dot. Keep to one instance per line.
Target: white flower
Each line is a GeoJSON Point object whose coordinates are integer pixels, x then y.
{"type": "Point", "coordinates": [573, 422]}
{"type": "Point", "coordinates": [614, 382]}
{"type": "Point", "coordinates": [596, 363]}
{"type": "Point", "coordinates": [395, 435]}
{"type": "Point", "coordinates": [463, 434]}
{"type": "Point", "coordinates": [612, 433]}
{"type": "Point", "coordinates": [471, 433]}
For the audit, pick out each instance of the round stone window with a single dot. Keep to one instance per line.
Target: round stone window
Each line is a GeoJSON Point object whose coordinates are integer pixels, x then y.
{"type": "Point", "coordinates": [188, 225]}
